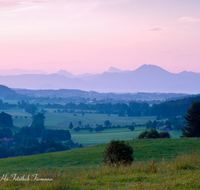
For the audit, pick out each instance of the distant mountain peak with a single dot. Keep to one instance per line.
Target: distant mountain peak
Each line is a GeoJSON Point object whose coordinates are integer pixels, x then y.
{"type": "Point", "coordinates": [114, 70]}
{"type": "Point", "coordinates": [150, 65]}
{"type": "Point", "coordinates": [151, 68]}
{"type": "Point", "coordinates": [66, 73]}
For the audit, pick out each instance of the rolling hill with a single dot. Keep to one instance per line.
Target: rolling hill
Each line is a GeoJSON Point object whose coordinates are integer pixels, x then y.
{"type": "Point", "coordinates": [144, 150]}
{"type": "Point", "coordinates": [175, 165]}
{"type": "Point", "coordinates": [4, 90]}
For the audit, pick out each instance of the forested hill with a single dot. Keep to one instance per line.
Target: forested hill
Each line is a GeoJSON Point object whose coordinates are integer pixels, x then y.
{"type": "Point", "coordinates": [174, 107]}
{"type": "Point", "coordinates": [4, 90]}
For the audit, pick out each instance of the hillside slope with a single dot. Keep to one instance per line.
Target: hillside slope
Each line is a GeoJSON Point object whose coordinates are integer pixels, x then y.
{"type": "Point", "coordinates": [144, 150]}
{"type": "Point", "coordinates": [4, 90]}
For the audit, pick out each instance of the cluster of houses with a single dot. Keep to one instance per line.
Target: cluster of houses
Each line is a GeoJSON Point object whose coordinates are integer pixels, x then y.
{"type": "Point", "coordinates": [7, 140]}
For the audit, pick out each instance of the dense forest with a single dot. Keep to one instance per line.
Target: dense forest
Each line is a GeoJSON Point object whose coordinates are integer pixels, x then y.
{"type": "Point", "coordinates": [173, 108]}
{"type": "Point", "coordinates": [166, 109]}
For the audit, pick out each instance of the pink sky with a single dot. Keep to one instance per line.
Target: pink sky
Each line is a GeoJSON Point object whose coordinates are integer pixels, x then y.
{"type": "Point", "coordinates": [91, 35]}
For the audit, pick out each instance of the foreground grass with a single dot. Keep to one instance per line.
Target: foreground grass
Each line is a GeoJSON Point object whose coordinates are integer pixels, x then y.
{"type": "Point", "coordinates": [182, 172]}
{"type": "Point", "coordinates": [177, 166]}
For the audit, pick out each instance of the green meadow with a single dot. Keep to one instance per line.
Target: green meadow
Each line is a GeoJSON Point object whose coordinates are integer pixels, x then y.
{"type": "Point", "coordinates": [62, 120]}
{"type": "Point", "coordinates": [87, 138]}
{"type": "Point", "coordinates": [84, 137]}
{"type": "Point", "coordinates": [177, 166]}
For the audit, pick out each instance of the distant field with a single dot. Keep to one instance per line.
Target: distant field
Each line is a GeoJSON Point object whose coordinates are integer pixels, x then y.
{"type": "Point", "coordinates": [62, 120]}
{"type": "Point", "coordinates": [87, 138]}
{"type": "Point", "coordinates": [21, 120]}
{"type": "Point", "coordinates": [11, 101]}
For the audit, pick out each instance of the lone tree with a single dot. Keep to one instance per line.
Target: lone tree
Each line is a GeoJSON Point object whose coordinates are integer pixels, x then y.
{"type": "Point", "coordinates": [192, 128]}
{"type": "Point", "coordinates": [71, 125]}
{"type": "Point", "coordinates": [118, 153]}
{"type": "Point", "coordinates": [131, 127]}
{"type": "Point", "coordinates": [31, 108]}
{"type": "Point", "coordinates": [107, 123]}
{"type": "Point", "coordinates": [80, 123]}
{"type": "Point", "coordinates": [99, 128]}
{"type": "Point", "coordinates": [38, 124]}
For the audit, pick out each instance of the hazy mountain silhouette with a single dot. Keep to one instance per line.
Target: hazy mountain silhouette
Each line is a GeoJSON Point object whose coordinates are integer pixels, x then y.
{"type": "Point", "coordinates": [87, 76]}
{"type": "Point", "coordinates": [40, 81]}
{"type": "Point", "coordinates": [147, 78]}
{"type": "Point", "coordinates": [114, 70]}
{"type": "Point", "coordinates": [66, 73]}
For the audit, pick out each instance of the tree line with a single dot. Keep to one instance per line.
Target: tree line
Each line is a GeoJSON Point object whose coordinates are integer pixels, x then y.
{"type": "Point", "coordinates": [166, 109]}
{"type": "Point", "coordinates": [173, 108]}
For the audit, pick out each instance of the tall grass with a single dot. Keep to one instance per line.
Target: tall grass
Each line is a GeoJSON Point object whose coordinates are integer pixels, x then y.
{"type": "Point", "coordinates": [182, 172]}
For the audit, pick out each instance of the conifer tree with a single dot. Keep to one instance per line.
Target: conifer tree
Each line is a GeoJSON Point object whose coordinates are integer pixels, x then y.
{"type": "Point", "coordinates": [192, 128]}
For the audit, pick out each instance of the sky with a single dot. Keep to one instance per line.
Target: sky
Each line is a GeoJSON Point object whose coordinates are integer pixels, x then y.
{"type": "Point", "coordinates": [92, 35]}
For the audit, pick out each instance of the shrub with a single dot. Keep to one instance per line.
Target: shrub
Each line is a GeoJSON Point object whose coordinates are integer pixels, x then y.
{"type": "Point", "coordinates": [153, 134]}
{"type": "Point", "coordinates": [143, 134]}
{"type": "Point", "coordinates": [118, 153]}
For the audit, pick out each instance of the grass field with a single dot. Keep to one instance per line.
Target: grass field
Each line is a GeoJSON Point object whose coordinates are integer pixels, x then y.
{"type": "Point", "coordinates": [61, 121]}
{"type": "Point", "coordinates": [21, 120]}
{"type": "Point", "coordinates": [82, 168]}
{"type": "Point", "coordinates": [87, 138]}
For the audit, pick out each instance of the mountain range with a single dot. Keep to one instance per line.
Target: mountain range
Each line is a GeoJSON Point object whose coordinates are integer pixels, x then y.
{"type": "Point", "coordinates": [147, 78]}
